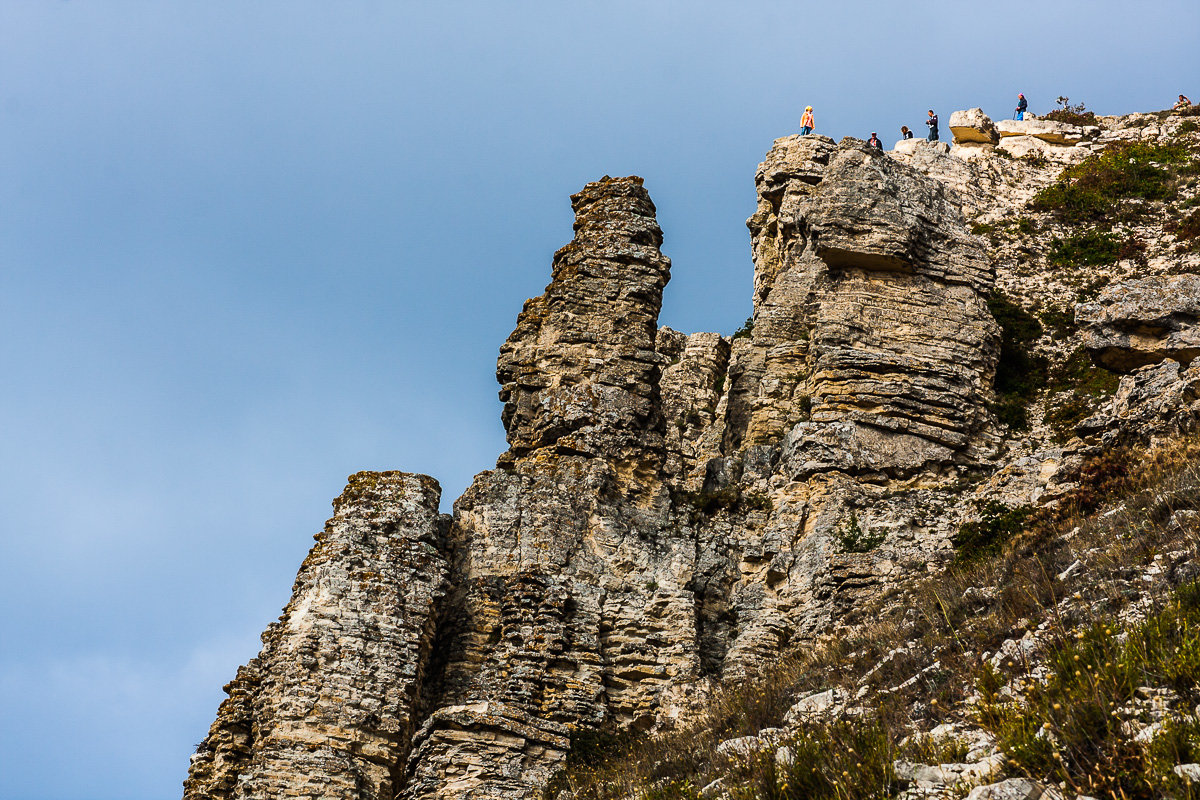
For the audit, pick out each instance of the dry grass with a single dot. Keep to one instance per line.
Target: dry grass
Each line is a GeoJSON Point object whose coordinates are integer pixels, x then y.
{"type": "Point", "coordinates": [1121, 515]}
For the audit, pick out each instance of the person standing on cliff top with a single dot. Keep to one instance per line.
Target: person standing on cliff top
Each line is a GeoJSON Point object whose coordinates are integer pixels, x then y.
{"type": "Point", "coordinates": [932, 122]}
{"type": "Point", "coordinates": [874, 141]}
{"type": "Point", "coordinates": [1022, 105]}
{"type": "Point", "coordinates": [806, 122]}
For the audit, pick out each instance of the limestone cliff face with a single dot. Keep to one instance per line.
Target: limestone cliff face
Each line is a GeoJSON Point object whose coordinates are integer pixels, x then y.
{"type": "Point", "coordinates": [571, 604]}
{"type": "Point", "coordinates": [676, 510]}
{"type": "Point", "coordinates": [870, 324]}
{"type": "Point", "coordinates": [329, 706]}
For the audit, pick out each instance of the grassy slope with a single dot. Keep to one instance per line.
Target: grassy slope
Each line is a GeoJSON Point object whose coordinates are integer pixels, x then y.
{"type": "Point", "coordinates": [1118, 524]}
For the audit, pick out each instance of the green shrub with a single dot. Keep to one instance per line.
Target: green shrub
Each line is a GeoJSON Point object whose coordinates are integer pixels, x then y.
{"type": "Point", "coordinates": [1187, 229]}
{"type": "Point", "coordinates": [1060, 320]}
{"type": "Point", "coordinates": [1092, 190]}
{"type": "Point", "coordinates": [836, 760]}
{"type": "Point", "coordinates": [1071, 114]}
{"type": "Point", "coordinates": [997, 524]}
{"type": "Point", "coordinates": [854, 540]}
{"type": "Point", "coordinates": [1020, 374]}
{"type": "Point", "coordinates": [746, 330]}
{"type": "Point", "coordinates": [1081, 375]}
{"type": "Point", "coordinates": [1090, 248]}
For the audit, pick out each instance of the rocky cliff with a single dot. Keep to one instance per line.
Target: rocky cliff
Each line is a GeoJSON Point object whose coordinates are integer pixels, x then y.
{"type": "Point", "coordinates": [675, 512]}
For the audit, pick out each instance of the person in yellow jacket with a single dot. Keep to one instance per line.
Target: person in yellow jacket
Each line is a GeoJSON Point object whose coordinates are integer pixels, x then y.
{"type": "Point", "coordinates": [806, 122]}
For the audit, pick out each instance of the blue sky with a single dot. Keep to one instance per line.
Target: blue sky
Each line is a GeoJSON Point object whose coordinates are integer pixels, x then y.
{"type": "Point", "coordinates": [247, 249]}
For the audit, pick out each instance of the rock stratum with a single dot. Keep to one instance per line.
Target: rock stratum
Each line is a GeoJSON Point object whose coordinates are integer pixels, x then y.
{"type": "Point", "coordinates": [675, 511]}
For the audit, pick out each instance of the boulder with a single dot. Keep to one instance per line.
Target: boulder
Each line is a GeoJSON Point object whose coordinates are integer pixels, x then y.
{"type": "Point", "coordinates": [1143, 321]}
{"type": "Point", "coordinates": [910, 146]}
{"type": "Point", "coordinates": [972, 125]}
{"type": "Point", "coordinates": [1047, 130]}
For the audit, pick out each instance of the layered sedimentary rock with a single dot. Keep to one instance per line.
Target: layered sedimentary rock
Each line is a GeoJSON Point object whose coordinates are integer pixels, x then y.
{"type": "Point", "coordinates": [579, 373]}
{"type": "Point", "coordinates": [673, 508]}
{"type": "Point", "coordinates": [693, 392]}
{"type": "Point", "coordinates": [1139, 322]}
{"type": "Point", "coordinates": [869, 313]}
{"type": "Point", "coordinates": [973, 126]}
{"type": "Point", "coordinates": [571, 604]}
{"type": "Point", "coordinates": [329, 707]}
{"type": "Point", "coordinates": [1046, 130]}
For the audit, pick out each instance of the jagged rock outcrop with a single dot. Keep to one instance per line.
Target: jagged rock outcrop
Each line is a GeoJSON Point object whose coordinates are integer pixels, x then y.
{"type": "Point", "coordinates": [1139, 322]}
{"type": "Point", "coordinates": [676, 510]}
{"type": "Point", "coordinates": [572, 603]}
{"type": "Point", "coordinates": [580, 373]}
{"type": "Point", "coordinates": [869, 313]}
{"type": "Point", "coordinates": [973, 126]}
{"type": "Point", "coordinates": [1156, 400]}
{"type": "Point", "coordinates": [329, 707]}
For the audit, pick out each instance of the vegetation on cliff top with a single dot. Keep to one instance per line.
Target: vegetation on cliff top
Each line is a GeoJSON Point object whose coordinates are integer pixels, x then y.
{"type": "Point", "coordinates": [1103, 189]}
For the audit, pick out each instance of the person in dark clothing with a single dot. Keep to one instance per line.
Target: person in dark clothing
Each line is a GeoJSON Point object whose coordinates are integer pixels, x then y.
{"type": "Point", "coordinates": [874, 141]}
{"type": "Point", "coordinates": [932, 122]}
{"type": "Point", "coordinates": [1022, 105]}
{"type": "Point", "coordinates": [905, 133]}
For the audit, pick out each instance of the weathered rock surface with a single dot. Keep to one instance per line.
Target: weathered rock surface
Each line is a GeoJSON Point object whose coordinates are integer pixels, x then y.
{"type": "Point", "coordinates": [571, 602]}
{"type": "Point", "coordinates": [1046, 130]}
{"type": "Point", "coordinates": [329, 707]}
{"type": "Point", "coordinates": [972, 125]}
{"type": "Point", "coordinates": [868, 310]}
{"type": "Point", "coordinates": [580, 371]}
{"type": "Point", "coordinates": [693, 392]}
{"type": "Point", "coordinates": [1144, 321]}
{"type": "Point", "coordinates": [1155, 400]}
{"type": "Point", "coordinates": [678, 509]}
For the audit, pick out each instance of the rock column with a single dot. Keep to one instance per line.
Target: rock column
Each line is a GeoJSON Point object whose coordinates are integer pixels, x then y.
{"type": "Point", "coordinates": [328, 708]}
{"type": "Point", "coordinates": [572, 601]}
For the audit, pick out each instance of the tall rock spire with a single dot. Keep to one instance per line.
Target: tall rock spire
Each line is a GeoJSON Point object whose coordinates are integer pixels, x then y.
{"type": "Point", "coordinates": [580, 374]}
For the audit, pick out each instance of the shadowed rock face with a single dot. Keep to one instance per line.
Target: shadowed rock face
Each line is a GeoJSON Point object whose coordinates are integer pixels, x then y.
{"type": "Point", "coordinates": [1139, 322]}
{"type": "Point", "coordinates": [869, 312]}
{"type": "Point", "coordinates": [329, 706]}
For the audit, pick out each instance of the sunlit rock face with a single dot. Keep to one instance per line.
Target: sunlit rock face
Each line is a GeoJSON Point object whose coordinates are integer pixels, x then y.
{"type": "Point", "coordinates": [869, 314]}
{"type": "Point", "coordinates": [675, 510]}
{"type": "Point", "coordinates": [329, 706]}
{"type": "Point", "coordinates": [572, 603]}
